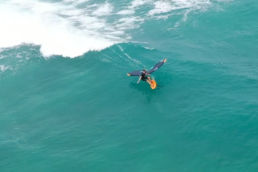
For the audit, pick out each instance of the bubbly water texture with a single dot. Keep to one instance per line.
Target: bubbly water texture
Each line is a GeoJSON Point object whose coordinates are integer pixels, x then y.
{"type": "Point", "coordinates": [66, 103]}
{"type": "Point", "coordinates": [71, 28]}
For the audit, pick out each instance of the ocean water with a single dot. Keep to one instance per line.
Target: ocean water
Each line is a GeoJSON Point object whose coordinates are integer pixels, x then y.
{"type": "Point", "coordinates": [66, 103]}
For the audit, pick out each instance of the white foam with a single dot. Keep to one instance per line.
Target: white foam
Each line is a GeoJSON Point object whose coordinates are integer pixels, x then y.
{"type": "Point", "coordinates": [65, 28]}
{"type": "Point", "coordinates": [30, 21]}
{"type": "Point", "coordinates": [103, 9]}
{"type": "Point", "coordinates": [166, 6]}
{"type": "Point", "coordinates": [77, 2]}
{"type": "Point", "coordinates": [126, 12]}
{"type": "Point", "coordinates": [3, 68]}
{"type": "Point", "coordinates": [138, 3]}
{"type": "Point", "coordinates": [161, 7]}
{"type": "Point", "coordinates": [133, 6]}
{"type": "Point", "coordinates": [129, 22]}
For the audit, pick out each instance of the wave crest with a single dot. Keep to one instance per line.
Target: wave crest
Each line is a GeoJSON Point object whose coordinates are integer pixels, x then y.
{"type": "Point", "coordinates": [71, 28]}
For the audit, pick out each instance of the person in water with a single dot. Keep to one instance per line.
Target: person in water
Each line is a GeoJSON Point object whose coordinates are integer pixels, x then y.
{"type": "Point", "coordinates": [144, 75]}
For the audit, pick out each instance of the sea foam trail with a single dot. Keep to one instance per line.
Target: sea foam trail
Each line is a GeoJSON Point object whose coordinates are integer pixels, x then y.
{"type": "Point", "coordinates": [71, 28]}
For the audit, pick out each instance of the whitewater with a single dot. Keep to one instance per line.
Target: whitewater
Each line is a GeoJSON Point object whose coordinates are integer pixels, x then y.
{"type": "Point", "coordinates": [71, 28]}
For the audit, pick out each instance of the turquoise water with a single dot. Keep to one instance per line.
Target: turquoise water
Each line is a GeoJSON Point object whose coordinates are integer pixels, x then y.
{"type": "Point", "coordinates": [84, 114]}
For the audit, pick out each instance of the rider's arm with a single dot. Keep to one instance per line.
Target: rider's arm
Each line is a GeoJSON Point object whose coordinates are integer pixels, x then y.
{"type": "Point", "coordinates": [140, 78]}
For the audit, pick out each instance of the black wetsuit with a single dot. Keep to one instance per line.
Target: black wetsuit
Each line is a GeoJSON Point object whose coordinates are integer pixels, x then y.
{"type": "Point", "coordinates": [144, 76]}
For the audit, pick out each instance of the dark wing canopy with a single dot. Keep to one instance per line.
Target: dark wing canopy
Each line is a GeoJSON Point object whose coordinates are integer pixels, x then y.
{"type": "Point", "coordinates": [156, 67]}
{"type": "Point", "coordinates": [135, 73]}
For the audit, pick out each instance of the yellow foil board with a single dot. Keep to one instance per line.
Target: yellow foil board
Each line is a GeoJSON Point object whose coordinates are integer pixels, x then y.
{"type": "Point", "coordinates": [153, 84]}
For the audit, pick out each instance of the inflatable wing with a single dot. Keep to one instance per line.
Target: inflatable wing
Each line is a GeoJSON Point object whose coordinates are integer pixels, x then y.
{"type": "Point", "coordinates": [135, 73]}
{"type": "Point", "coordinates": [156, 67]}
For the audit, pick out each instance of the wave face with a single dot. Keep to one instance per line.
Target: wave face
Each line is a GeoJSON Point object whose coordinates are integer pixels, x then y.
{"type": "Point", "coordinates": [85, 114]}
